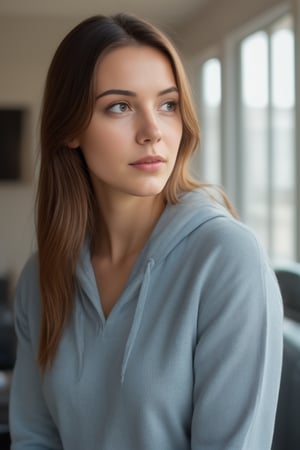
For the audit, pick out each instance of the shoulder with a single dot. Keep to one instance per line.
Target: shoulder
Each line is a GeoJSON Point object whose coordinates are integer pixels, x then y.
{"type": "Point", "coordinates": [236, 264]}
{"type": "Point", "coordinates": [27, 289]}
{"type": "Point", "coordinates": [29, 273]}
{"type": "Point", "coordinates": [26, 305]}
{"type": "Point", "coordinates": [230, 235]}
{"type": "Point", "coordinates": [215, 229]}
{"type": "Point", "coordinates": [232, 256]}
{"type": "Point", "coordinates": [237, 278]}
{"type": "Point", "coordinates": [236, 247]}
{"type": "Point", "coordinates": [208, 231]}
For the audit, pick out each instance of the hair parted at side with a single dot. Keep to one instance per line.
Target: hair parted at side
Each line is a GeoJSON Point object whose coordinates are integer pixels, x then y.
{"type": "Point", "coordinates": [65, 202]}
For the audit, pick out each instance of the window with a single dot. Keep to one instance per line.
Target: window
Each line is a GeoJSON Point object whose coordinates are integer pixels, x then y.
{"type": "Point", "coordinates": [248, 132]}
{"type": "Point", "coordinates": [211, 120]}
{"type": "Point", "coordinates": [267, 109]}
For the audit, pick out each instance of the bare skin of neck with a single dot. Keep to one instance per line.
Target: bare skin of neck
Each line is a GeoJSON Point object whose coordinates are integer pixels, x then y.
{"type": "Point", "coordinates": [124, 228]}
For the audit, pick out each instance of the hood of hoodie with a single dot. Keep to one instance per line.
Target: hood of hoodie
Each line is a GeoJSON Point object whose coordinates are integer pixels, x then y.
{"type": "Point", "coordinates": [175, 224]}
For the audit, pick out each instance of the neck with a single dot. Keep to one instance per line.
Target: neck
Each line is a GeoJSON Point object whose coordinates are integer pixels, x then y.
{"type": "Point", "coordinates": [125, 225]}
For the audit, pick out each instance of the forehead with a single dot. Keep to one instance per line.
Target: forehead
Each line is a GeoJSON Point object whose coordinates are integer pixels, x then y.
{"type": "Point", "coordinates": [134, 67]}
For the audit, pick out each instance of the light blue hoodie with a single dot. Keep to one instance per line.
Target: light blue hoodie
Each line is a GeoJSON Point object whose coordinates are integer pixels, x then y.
{"type": "Point", "coordinates": [189, 357]}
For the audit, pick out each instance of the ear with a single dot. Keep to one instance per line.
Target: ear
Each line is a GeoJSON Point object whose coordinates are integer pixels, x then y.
{"type": "Point", "coordinates": [74, 143]}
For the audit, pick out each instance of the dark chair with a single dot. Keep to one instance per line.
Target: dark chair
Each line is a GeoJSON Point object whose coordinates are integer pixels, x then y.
{"type": "Point", "coordinates": [7, 359]}
{"type": "Point", "coordinates": [7, 335]}
{"type": "Point", "coordinates": [4, 440]}
{"type": "Point", "coordinates": [287, 429]}
{"type": "Point", "coordinates": [288, 276]}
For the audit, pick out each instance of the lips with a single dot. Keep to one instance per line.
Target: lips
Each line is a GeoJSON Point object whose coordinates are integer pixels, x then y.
{"type": "Point", "coordinates": [149, 164]}
{"type": "Point", "coordinates": [148, 160]}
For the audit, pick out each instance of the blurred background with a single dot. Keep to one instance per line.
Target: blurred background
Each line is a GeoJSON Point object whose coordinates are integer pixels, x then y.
{"type": "Point", "coordinates": [243, 60]}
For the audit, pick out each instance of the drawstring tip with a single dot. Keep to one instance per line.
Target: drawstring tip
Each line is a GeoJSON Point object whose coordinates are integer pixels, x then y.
{"type": "Point", "coordinates": [123, 372]}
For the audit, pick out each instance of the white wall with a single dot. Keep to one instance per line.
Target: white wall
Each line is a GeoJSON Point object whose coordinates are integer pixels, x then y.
{"type": "Point", "coordinates": [26, 47]}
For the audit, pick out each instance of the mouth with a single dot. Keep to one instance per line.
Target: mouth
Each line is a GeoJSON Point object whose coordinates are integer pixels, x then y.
{"type": "Point", "coordinates": [148, 160]}
{"type": "Point", "coordinates": [149, 163]}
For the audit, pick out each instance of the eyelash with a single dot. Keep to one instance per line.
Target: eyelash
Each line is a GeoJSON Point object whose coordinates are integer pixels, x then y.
{"type": "Point", "coordinates": [121, 104]}
{"type": "Point", "coordinates": [172, 103]}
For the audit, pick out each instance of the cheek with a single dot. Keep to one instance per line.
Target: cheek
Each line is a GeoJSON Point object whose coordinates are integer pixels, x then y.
{"type": "Point", "coordinates": [96, 143]}
{"type": "Point", "coordinates": [177, 128]}
{"type": "Point", "coordinates": [177, 135]}
{"type": "Point", "coordinates": [106, 137]}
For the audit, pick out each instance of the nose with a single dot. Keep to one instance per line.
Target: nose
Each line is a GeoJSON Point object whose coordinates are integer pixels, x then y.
{"type": "Point", "coordinates": [148, 130]}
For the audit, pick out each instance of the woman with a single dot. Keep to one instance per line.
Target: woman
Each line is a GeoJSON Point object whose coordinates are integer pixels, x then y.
{"type": "Point", "coordinates": [149, 317]}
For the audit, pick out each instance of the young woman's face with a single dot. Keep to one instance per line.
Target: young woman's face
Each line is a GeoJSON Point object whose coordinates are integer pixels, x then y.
{"type": "Point", "coordinates": [132, 141]}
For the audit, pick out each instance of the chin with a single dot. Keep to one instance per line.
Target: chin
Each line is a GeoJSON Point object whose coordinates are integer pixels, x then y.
{"type": "Point", "coordinates": [151, 188]}
{"type": "Point", "coordinates": [149, 191]}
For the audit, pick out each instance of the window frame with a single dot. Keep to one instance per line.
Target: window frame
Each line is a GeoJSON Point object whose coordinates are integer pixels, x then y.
{"type": "Point", "coordinates": [228, 52]}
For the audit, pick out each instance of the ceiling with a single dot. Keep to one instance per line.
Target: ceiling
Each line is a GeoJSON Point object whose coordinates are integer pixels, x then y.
{"type": "Point", "coordinates": [163, 12]}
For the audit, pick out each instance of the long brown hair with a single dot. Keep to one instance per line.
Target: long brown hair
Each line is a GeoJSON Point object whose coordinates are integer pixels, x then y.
{"type": "Point", "coordinates": [65, 203]}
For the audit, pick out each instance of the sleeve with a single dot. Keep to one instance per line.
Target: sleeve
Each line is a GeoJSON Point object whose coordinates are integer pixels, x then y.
{"type": "Point", "coordinates": [31, 426]}
{"type": "Point", "coordinates": [238, 357]}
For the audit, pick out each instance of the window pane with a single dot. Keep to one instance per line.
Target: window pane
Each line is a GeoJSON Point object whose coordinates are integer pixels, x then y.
{"type": "Point", "coordinates": [210, 120]}
{"type": "Point", "coordinates": [283, 131]}
{"type": "Point", "coordinates": [254, 105]}
{"type": "Point", "coordinates": [268, 132]}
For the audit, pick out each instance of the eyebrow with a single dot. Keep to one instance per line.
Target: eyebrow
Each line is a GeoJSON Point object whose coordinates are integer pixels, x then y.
{"type": "Point", "coordinates": [133, 94]}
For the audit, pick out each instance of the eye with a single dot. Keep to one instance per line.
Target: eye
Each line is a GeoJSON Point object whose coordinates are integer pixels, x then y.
{"type": "Point", "coordinates": [118, 108]}
{"type": "Point", "coordinates": [169, 106]}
